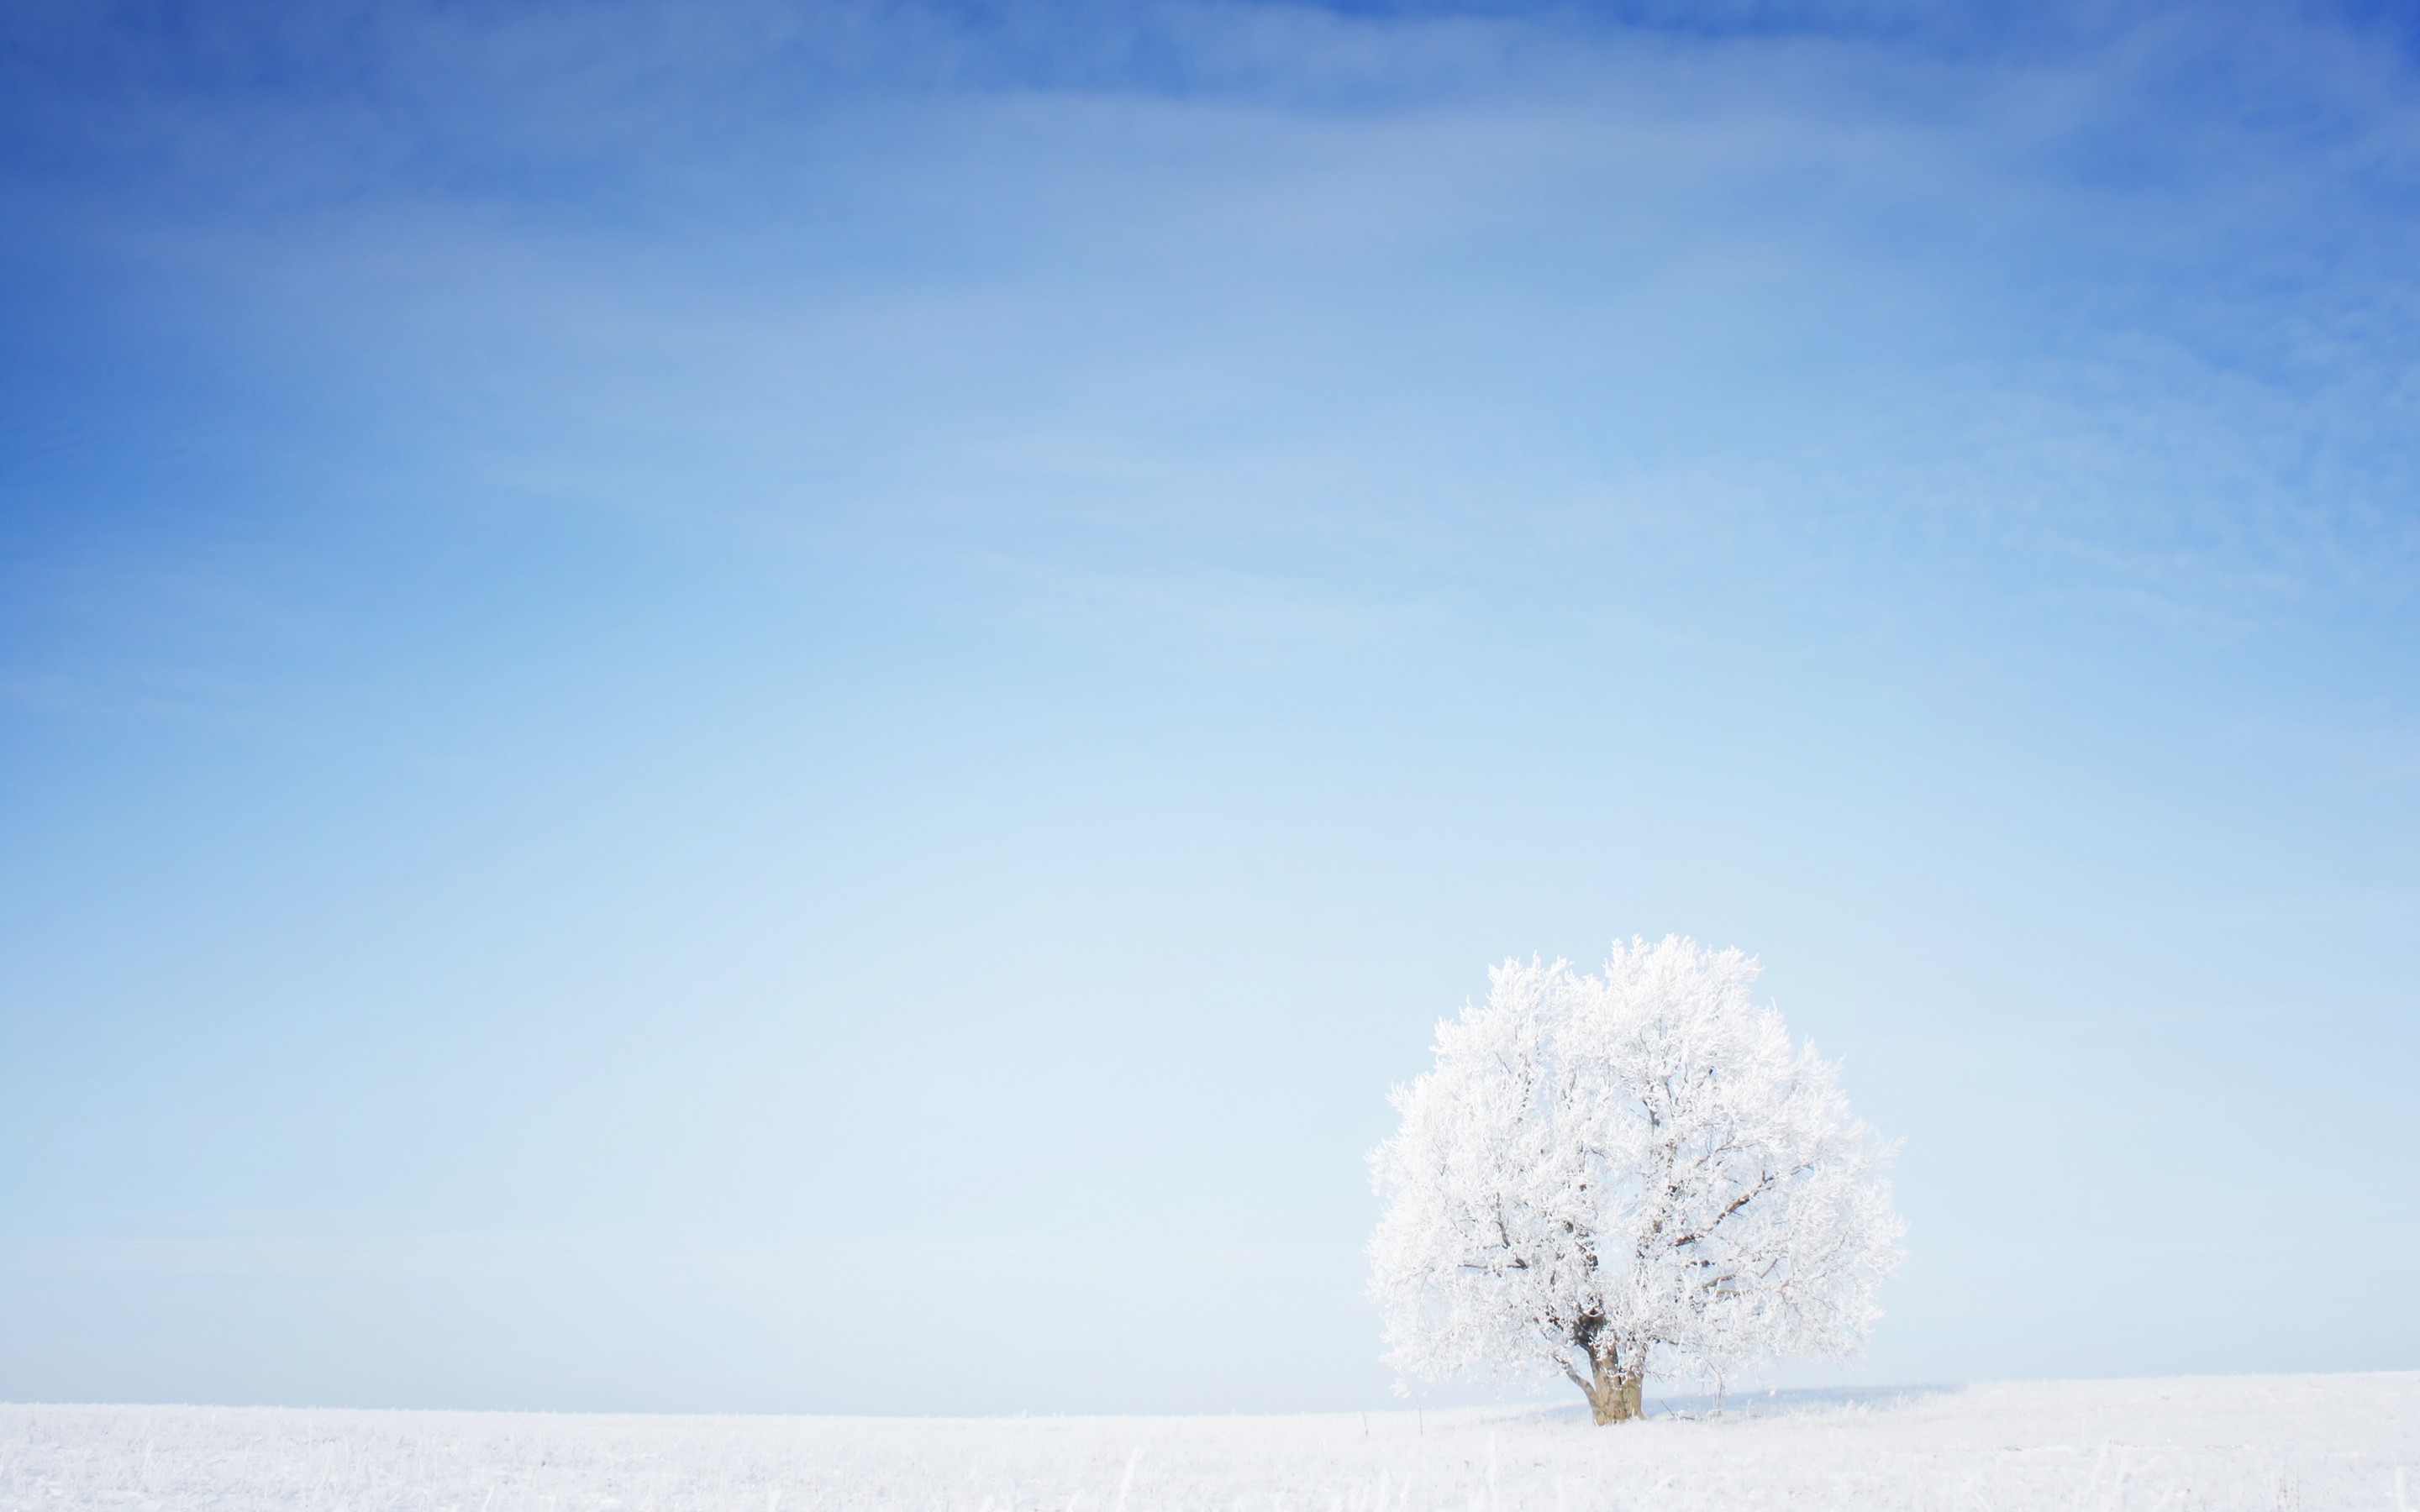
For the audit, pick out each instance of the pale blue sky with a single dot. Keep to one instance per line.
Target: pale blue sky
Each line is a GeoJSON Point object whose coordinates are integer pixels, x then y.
{"type": "Point", "coordinates": [741, 707]}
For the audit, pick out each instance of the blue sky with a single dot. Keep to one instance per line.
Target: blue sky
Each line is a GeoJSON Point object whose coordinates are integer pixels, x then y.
{"type": "Point", "coordinates": [740, 706]}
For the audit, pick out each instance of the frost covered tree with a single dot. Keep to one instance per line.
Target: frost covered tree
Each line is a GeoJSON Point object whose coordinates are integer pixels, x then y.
{"type": "Point", "coordinates": [1609, 1176]}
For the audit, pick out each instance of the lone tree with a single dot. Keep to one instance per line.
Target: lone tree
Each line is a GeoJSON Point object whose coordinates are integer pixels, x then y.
{"type": "Point", "coordinates": [1634, 1172]}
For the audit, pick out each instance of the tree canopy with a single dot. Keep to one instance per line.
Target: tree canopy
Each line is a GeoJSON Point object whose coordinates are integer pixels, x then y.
{"type": "Point", "coordinates": [1622, 1173]}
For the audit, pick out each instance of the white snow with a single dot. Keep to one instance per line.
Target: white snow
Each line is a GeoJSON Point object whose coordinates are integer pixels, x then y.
{"type": "Point", "coordinates": [2280, 1443]}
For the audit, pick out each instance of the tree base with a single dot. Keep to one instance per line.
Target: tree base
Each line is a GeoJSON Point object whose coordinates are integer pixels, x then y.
{"type": "Point", "coordinates": [1615, 1398]}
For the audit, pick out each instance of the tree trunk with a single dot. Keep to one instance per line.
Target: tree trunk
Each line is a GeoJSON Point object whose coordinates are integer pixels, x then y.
{"type": "Point", "coordinates": [1613, 1393]}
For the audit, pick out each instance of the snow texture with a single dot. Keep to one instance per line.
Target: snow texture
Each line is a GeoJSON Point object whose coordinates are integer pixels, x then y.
{"type": "Point", "coordinates": [2280, 1443]}
{"type": "Point", "coordinates": [1636, 1170]}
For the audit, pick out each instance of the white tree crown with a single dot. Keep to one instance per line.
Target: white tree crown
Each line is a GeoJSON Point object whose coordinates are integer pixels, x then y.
{"type": "Point", "coordinates": [1637, 1171]}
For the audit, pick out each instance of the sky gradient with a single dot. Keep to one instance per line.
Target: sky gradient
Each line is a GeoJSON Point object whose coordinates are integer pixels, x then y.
{"type": "Point", "coordinates": [732, 707]}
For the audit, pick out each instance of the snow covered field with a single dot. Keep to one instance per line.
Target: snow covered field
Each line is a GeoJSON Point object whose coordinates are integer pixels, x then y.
{"type": "Point", "coordinates": [2181, 1445]}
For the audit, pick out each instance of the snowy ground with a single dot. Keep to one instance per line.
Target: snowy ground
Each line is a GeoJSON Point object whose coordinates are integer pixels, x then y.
{"type": "Point", "coordinates": [2272, 1442]}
